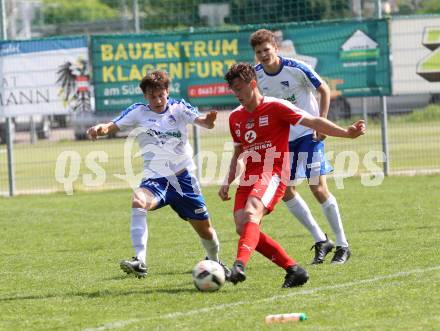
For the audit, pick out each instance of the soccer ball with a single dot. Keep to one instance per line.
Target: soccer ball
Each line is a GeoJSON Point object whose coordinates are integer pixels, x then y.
{"type": "Point", "coordinates": [208, 276]}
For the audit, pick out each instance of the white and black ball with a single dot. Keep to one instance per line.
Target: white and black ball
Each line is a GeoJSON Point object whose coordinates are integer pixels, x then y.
{"type": "Point", "coordinates": [208, 276]}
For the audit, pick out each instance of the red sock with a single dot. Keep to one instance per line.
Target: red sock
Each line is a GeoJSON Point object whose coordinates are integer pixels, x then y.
{"type": "Point", "coordinates": [273, 251]}
{"type": "Point", "coordinates": [248, 241]}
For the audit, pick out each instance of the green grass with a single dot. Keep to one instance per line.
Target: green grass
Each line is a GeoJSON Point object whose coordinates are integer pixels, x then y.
{"type": "Point", "coordinates": [433, 35]}
{"type": "Point", "coordinates": [60, 268]}
{"type": "Point", "coordinates": [429, 114]}
{"type": "Point", "coordinates": [414, 144]}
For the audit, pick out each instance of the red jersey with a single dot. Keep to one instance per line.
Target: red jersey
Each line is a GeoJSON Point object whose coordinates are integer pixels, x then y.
{"type": "Point", "coordinates": [263, 135]}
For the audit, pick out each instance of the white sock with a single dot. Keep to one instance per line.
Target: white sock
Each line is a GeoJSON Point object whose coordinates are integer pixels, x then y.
{"type": "Point", "coordinates": [139, 232]}
{"type": "Point", "coordinates": [212, 247]}
{"type": "Point", "coordinates": [298, 207]}
{"type": "Point", "coordinates": [331, 211]}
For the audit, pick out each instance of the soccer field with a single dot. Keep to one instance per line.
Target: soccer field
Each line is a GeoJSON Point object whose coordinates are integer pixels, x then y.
{"type": "Point", "coordinates": [60, 271]}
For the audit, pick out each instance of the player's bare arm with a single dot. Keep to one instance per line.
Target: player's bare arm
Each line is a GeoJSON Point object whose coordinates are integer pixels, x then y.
{"type": "Point", "coordinates": [329, 128]}
{"type": "Point", "coordinates": [324, 104]}
{"type": "Point", "coordinates": [232, 174]}
{"type": "Point", "coordinates": [207, 121]}
{"type": "Point", "coordinates": [102, 129]}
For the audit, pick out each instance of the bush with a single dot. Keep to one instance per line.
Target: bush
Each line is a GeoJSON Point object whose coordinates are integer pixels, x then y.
{"type": "Point", "coordinates": [430, 113]}
{"type": "Point", "coordinates": [67, 11]}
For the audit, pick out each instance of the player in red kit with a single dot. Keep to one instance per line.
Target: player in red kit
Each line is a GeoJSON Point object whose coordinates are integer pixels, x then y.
{"type": "Point", "coordinates": [260, 130]}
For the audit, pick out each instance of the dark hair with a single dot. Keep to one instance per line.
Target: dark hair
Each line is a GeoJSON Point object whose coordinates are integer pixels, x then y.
{"type": "Point", "coordinates": [155, 80]}
{"type": "Point", "coordinates": [262, 36]}
{"type": "Point", "coordinates": [244, 71]}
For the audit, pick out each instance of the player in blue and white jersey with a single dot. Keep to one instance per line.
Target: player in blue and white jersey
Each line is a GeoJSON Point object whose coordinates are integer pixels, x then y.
{"type": "Point", "coordinates": [297, 82]}
{"type": "Point", "coordinates": [161, 130]}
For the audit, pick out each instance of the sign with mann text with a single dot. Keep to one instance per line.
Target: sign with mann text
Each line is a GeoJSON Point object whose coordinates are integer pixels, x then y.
{"type": "Point", "coordinates": [44, 76]}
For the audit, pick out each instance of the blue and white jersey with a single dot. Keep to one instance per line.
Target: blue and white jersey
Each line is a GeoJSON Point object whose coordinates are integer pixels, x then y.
{"type": "Point", "coordinates": [162, 137]}
{"type": "Point", "coordinates": [297, 82]}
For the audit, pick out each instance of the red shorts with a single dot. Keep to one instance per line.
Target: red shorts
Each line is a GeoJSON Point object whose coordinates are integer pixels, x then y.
{"type": "Point", "coordinates": [268, 188]}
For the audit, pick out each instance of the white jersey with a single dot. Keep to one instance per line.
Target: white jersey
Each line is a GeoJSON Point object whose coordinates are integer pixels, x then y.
{"type": "Point", "coordinates": [297, 82]}
{"type": "Point", "coordinates": [162, 137]}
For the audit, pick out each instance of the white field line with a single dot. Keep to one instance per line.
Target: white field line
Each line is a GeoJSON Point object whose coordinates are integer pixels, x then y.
{"type": "Point", "coordinates": [114, 325]}
{"type": "Point", "coordinates": [120, 324]}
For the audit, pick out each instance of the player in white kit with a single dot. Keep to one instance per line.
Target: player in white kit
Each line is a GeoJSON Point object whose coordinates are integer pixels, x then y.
{"type": "Point", "coordinates": [161, 129]}
{"type": "Point", "coordinates": [296, 81]}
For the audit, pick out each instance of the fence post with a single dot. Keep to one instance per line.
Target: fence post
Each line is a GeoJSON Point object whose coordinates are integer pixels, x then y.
{"type": "Point", "coordinates": [33, 131]}
{"type": "Point", "coordinates": [384, 114]}
{"type": "Point", "coordinates": [10, 152]}
{"type": "Point", "coordinates": [365, 110]}
{"type": "Point", "coordinates": [9, 142]}
{"type": "Point", "coordinates": [136, 16]}
{"type": "Point", "coordinates": [384, 131]}
{"type": "Point", "coordinates": [197, 149]}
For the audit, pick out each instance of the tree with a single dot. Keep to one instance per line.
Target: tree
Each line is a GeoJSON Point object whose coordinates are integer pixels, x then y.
{"type": "Point", "coordinates": [67, 11]}
{"type": "Point", "coordinates": [283, 11]}
{"type": "Point", "coordinates": [429, 7]}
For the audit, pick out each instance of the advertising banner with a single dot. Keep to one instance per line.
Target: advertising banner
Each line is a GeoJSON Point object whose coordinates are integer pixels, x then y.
{"type": "Point", "coordinates": [46, 76]}
{"type": "Point", "coordinates": [415, 47]}
{"type": "Point", "coordinates": [195, 62]}
{"type": "Point", "coordinates": [352, 56]}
